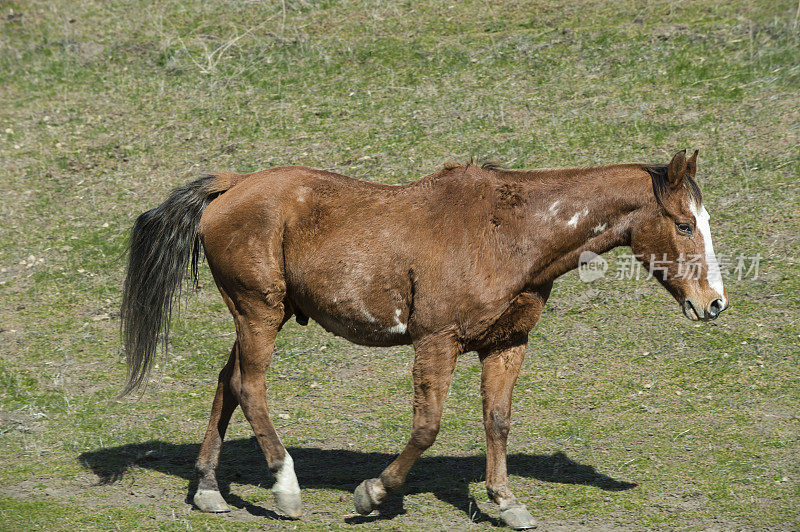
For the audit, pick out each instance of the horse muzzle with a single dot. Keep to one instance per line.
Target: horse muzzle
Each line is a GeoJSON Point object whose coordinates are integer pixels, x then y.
{"type": "Point", "coordinates": [697, 312]}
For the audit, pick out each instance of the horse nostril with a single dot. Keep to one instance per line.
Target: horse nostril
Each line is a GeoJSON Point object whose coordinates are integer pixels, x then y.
{"type": "Point", "coordinates": [715, 308]}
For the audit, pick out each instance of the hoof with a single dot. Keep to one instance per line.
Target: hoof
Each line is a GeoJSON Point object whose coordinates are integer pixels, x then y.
{"type": "Point", "coordinates": [289, 504]}
{"type": "Point", "coordinates": [210, 501]}
{"type": "Point", "coordinates": [518, 518]}
{"type": "Point", "coordinates": [368, 495]}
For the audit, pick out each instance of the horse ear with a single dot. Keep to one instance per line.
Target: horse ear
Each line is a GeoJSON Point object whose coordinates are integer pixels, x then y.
{"type": "Point", "coordinates": [677, 169]}
{"type": "Point", "coordinates": [691, 164]}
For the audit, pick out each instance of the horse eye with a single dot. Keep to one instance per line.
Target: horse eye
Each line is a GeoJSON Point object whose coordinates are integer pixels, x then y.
{"type": "Point", "coordinates": [684, 228]}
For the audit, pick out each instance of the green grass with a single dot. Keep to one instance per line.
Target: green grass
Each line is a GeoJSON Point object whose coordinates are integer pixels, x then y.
{"type": "Point", "coordinates": [106, 106]}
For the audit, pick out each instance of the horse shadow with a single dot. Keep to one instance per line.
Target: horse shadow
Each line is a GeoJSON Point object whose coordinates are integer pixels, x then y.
{"type": "Point", "coordinates": [446, 477]}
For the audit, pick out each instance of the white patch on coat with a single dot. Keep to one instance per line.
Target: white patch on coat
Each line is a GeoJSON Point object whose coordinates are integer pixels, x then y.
{"type": "Point", "coordinates": [600, 227]}
{"type": "Point", "coordinates": [552, 211]}
{"type": "Point", "coordinates": [359, 305]}
{"type": "Point", "coordinates": [573, 222]}
{"type": "Point", "coordinates": [285, 478]}
{"type": "Point", "coordinates": [400, 328]}
{"type": "Point", "coordinates": [713, 275]}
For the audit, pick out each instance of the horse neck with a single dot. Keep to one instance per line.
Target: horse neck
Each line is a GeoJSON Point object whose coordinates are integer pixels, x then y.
{"type": "Point", "coordinates": [577, 210]}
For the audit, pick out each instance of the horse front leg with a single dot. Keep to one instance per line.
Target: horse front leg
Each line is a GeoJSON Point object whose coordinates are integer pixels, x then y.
{"type": "Point", "coordinates": [434, 362]}
{"type": "Point", "coordinates": [501, 367]}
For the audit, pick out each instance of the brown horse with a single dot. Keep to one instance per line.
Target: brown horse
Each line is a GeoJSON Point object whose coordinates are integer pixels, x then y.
{"type": "Point", "coordinates": [461, 260]}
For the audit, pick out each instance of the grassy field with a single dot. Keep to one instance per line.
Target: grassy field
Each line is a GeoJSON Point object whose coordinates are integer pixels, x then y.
{"type": "Point", "coordinates": [626, 415]}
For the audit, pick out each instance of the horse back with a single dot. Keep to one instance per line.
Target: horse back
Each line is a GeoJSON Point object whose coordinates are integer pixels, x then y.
{"type": "Point", "coordinates": [367, 261]}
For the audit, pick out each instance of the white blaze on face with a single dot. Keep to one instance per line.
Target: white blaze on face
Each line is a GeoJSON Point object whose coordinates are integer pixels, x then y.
{"type": "Point", "coordinates": [285, 478]}
{"type": "Point", "coordinates": [714, 275]}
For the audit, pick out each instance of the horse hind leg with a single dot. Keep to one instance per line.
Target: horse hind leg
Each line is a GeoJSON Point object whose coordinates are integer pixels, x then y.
{"type": "Point", "coordinates": [257, 324]}
{"type": "Point", "coordinates": [258, 318]}
{"type": "Point", "coordinates": [207, 497]}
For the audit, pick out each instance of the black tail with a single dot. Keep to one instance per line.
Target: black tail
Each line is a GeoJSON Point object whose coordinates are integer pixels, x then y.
{"type": "Point", "coordinates": [164, 244]}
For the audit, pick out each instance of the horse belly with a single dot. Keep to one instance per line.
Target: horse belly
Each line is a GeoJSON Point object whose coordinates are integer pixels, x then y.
{"type": "Point", "coordinates": [362, 331]}
{"type": "Point", "coordinates": [367, 304]}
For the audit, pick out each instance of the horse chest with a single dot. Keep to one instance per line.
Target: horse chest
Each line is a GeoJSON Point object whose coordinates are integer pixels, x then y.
{"type": "Point", "coordinates": [516, 321]}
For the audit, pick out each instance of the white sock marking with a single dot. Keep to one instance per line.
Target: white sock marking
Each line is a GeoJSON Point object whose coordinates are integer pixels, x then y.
{"type": "Point", "coordinates": [285, 478]}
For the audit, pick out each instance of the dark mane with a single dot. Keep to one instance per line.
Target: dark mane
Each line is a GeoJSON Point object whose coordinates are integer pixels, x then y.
{"type": "Point", "coordinates": [486, 165]}
{"type": "Point", "coordinates": [658, 174]}
{"type": "Point", "coordinates": [492, 165]}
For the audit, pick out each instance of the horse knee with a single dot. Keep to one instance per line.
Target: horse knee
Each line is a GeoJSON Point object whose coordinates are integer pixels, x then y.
{"type": "Point", "coordinates": [425, 435]}
{"type": "Point", "coordinates": [498, 423]}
